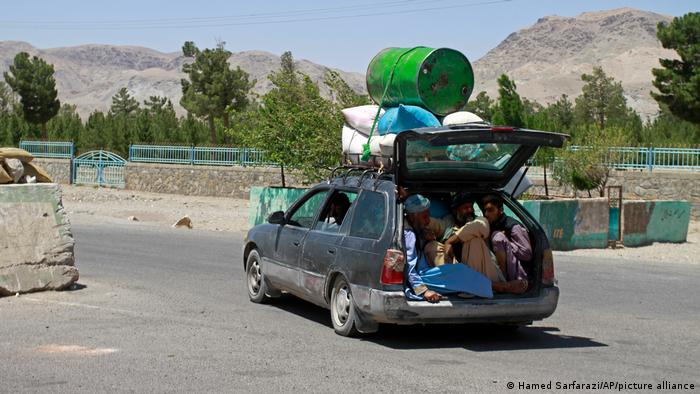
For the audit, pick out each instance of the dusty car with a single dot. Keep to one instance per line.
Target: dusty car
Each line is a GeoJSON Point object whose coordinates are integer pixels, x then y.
{"type": "Point", "coordinates": [344, 252]}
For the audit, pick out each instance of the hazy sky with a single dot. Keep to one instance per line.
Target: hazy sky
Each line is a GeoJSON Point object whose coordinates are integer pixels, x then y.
{"type": "Point", "coordinates": [342, 34]}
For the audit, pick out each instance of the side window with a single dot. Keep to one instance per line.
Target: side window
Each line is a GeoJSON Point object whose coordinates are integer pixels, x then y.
{"type": "Point", "coordinates": [304, 215]}
{"type": "Point", "coordinates": [335, 211]}
{"type": "Point", "coordinates": [369, 216]}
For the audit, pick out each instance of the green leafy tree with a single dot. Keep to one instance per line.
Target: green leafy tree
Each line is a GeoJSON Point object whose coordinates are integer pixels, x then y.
{"type": "Point", "coordinates": [341, 93]}
{"type": "Point", "coordinates": [212, 88]}
{"type": "Point", "coordinates": [678, 81]}
{"type": "Point", "coordinates": [32, 79]}
{"type": "Point", "coordinates": [510, 106]}
{"type": "Point", "coordinates": [537, 117]}
{"type": "Point", "coordinates": [297, 127]}
{"type": "Point", "coordinates": [585, 169]}
{"type": "Point", "coordinates": [123, 104]}
{"type": "Point", "coordinates": [482, 106]}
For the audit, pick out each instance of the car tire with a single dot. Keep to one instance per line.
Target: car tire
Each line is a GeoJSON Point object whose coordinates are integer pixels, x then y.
{"type": "Point", "coordinates": [343, 314]}
{"type": "Point", "coordinates": [258, 289]}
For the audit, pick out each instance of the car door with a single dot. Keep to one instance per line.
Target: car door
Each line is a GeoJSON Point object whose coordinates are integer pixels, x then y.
{"type": "Point", "coordinates": [290, 237]}
{"type": "Point", "coordinates": [321, 244]}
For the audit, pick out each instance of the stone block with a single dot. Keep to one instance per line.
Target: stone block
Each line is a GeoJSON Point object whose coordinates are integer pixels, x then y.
{"type": "Point", "coordinates": [36, 247]}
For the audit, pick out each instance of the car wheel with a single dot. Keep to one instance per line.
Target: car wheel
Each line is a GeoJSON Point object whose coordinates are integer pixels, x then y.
{"type": "Point", "coordinates": [258, 289]}
{"type": "Point", "coordinates": [343, 313]}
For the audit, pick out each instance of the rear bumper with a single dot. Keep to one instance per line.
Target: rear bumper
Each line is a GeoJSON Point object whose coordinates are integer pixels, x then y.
{"type": "Point", "coordinates": [393, 307]}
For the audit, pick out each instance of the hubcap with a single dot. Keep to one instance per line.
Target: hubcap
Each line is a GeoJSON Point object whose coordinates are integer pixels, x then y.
{"type": "Point", "coordinates": [254, 278]}
{"type": "Point", "coordinates": [343, 301]}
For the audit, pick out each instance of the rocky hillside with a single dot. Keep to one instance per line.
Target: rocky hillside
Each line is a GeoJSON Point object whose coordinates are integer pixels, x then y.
{"type": "Point", "coordinates": [89, 75]}
{"type": "Point", "coordinates": [547, 59]}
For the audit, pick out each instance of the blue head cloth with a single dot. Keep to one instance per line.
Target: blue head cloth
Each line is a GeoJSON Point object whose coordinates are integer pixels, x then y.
{"type": "Point", "coordinates": [416, 203]}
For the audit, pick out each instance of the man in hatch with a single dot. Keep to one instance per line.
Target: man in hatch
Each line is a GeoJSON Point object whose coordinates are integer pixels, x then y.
{"type": "Point", "coordinates": [510, 243]}
{"type": "Point", "coordinates": [439, 230]}
{"type": "Point", "coordinates": [426, 282]}
{"type": "Point", "coordinates": [462, 235]}
{"type": "Point", "coordinates": [468, 238]}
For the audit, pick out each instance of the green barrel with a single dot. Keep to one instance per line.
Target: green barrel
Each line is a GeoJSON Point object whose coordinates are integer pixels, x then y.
{"type": "Point", "coordinates": [439, 80]}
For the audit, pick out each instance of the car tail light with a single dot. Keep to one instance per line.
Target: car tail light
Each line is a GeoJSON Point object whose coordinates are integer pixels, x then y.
{"type": "Point", "coordinates": [548, 278]}
{"type": "Point", "coordinates": [392, 270]}
{"type": "Point", "coordinates": [501, 128]}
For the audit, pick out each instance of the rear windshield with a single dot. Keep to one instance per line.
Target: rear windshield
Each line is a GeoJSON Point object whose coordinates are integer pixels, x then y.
{"type": "Point", "coordinates": [421, 155]}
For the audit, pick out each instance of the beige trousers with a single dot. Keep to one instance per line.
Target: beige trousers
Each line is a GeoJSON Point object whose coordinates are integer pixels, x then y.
{"type": "Point", "coordinates": [475, 251]}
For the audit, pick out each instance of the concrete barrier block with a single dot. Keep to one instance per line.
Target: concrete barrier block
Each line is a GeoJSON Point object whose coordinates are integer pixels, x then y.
{"type": "Point", "coordinates": [265, 200]}
{"type": "Point", "coordinates": [646, 222]}
{"type": "Point", "coordinates": [572, 223]}
{"type": "Point", "coordinates": [36, 246]}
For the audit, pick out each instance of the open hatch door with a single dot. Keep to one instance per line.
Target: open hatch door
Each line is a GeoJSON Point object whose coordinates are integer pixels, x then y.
{"type": "Point", "coordinates": [469, 155]}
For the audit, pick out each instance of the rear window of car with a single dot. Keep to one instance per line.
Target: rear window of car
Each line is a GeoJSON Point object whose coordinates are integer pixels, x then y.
{"type": "Point", "coordinates": [369, 218]}
{"type": "Point", "coordinates": [421, 156]}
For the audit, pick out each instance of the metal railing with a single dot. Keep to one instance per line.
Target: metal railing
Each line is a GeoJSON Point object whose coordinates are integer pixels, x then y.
{"type": "Point", "coordinates": [48, 149]}
{"type": "Point", "coordinates": [196, 155]}
{"type": "Point", "coordinates": [641, 158]}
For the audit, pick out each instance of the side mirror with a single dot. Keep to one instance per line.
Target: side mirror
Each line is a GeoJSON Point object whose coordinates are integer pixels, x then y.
{"type": "Point", "coordinates": [276, 218]}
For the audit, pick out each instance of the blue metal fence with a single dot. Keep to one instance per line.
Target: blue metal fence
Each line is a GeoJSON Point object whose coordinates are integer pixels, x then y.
{"type": "Point", "coordinates": [55, 150]}
{"type": "Point", "coordinates": [640, 158]}
{"type": "Point", "coordinates": [220, 156]}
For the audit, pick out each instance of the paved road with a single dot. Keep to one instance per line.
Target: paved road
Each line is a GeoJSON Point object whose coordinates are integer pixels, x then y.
{"type": "Point", "coordinates": [166, 310]}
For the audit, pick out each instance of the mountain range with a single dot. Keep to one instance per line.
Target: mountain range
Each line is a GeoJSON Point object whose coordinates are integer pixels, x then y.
{"type": "Point", "coordinates": [546, 60]}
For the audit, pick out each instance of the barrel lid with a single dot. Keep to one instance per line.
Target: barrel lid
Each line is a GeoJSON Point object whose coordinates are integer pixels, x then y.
{"type": "Point", "coordinates": [445, 81]}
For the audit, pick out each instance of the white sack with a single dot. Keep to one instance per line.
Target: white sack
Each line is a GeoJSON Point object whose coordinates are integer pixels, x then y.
{"type": "Point", "coordinates": [352, 140]}
{"type": "Point", "coordinates": [387, 145]}
{"type": "Point", "coordinates": [460, 118]}
{"type": "Point", "coordinates": [361, 118]}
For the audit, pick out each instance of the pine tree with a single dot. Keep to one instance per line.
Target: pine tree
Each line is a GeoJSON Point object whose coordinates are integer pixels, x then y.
{"type": "Point", "coordinates": [212, 88]}
{"type": "Point", "coordinates": [123, 104]}
{"type": "Point", "coordinates": [32, 79]}
{"type": "Point", "coordinates": [66, 125]}
{"type": "Point", "coordinates": [510, 106]}
{"type": "Point", "coordinates": [482, 106]}
{"type": "Point", "coordinates": [678, 81]}
{"type": "Point", "coordinates": [602, 100]}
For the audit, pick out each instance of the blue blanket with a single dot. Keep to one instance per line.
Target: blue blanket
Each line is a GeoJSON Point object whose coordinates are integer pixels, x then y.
{"type": "Point", "coordinates": [457, 278]}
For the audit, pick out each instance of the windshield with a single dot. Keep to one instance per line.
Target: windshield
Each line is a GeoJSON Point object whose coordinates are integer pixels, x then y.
{"type": "Point", "coordinates": [421, 155]}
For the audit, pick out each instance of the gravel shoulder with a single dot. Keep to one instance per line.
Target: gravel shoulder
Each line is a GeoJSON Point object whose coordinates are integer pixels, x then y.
{"type": "Point", "coordinates": [91, 204]}
{"type": "Point", "coordinates": [98, 205]}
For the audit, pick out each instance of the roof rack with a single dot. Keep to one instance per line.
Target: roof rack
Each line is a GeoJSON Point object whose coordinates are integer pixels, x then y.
{"type": "Point", "coordinates": [363, 172]}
